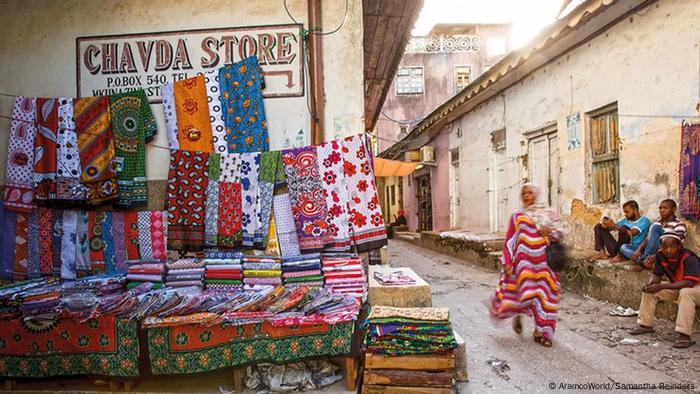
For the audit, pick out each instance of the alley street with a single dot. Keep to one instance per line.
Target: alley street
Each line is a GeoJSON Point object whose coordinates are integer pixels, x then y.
{"type": "Point", "coordinates": [586, 348]}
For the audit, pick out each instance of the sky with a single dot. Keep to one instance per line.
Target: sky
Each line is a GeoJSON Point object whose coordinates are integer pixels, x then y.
{"type": "Point", "coordinates": [527, 16]}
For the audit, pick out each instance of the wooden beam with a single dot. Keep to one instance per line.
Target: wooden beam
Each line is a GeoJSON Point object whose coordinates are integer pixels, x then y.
{"type": "Point", "coordinates": [394, 377]}
{"type": "Point", "coordinates": [375, 389]}
{"type": "Point", "coordinates": [415, 363]}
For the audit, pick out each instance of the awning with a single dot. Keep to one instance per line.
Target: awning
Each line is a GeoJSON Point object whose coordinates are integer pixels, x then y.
{"type": "Point", "coordinates": [384, 167]}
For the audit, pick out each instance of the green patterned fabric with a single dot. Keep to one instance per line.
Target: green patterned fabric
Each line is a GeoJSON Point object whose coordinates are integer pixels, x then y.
{"type": "Point", "coordinates": [129, 130]}
{"type": "Point", "coordinates": [214, 166]}
{"type": "Point", "coordinates": [108, 346]}
{"type": "Point", "coordinates": [203, 349]}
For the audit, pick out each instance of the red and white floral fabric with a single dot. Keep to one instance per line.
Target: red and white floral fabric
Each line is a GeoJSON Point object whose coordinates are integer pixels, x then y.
{"type": "Point", "coordinates": [330, 163]}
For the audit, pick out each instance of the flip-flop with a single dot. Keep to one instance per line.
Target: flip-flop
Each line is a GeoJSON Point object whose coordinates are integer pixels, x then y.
{"type": "Point", "coordinates": [641, 330]}
{"type": "Point", "coordinates": [518, 325]}
{"type": "Point", "coordinates": [542, 340]}
{"type": "Point", "coordinates": [683, 343]}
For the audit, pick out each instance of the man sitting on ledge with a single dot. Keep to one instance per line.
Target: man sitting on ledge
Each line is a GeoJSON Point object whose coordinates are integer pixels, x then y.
{"type": "Point", "coordinates": [682, 269]}
{"type": "Point", "coordinates": [645, 255]}
{"type": "Point", "coordinates": [631, 232]}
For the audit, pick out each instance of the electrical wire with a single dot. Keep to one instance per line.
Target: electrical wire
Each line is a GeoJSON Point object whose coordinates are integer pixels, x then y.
{"type": "Point", "coordinates": [318, 32]}
{"type": "Point", "coordinates": [408, 122]}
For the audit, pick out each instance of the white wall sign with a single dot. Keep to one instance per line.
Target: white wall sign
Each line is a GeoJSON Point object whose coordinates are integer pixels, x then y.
{"type": "Point", "coordinates": [118, 63]}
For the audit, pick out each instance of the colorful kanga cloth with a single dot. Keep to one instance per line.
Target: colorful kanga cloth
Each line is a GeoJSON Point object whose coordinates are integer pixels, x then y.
{"type": "Point", "coordinates": [331, 163]}
{"type": "Point", "coordinates": [308, 203]}
{"type": "Point", "coordinates": [82, 248]}
{"type": "Point", "coordinates": [288, 243]}
{"type": "Point", "coordinates": [216, 114]}
{"type": "Point", "coordinates": [159, 229]}
{"type": "Point", "coordinates": [69, 191]}
{"type": "Point", "coordinates": [271, 173]}
{"type": "Point", "coordinates": [366, 221]}
{"type": "Point", "coordinates": [19, 173]}
{"type": "Point", "coordinates": [131, 235]}
{"type": "Point", "coordinates": [211, 225]}
{"type": "Point", "coordinates": [193, 123]}
{"type": "Point", "coordinates": [250, 171]}
{"type": "Point", "coordinates": [33, 248]}
{"type": "Point", "coordinates": [230, 232]}
{"type": "Point", "coordinates": [45, 150]}
{"type": "Point", "coordinates": [97, 244]}
{"type": "Point", "coordinates": [8, 220]}
{"type": "Point", "coordinates": [533, 288]}
{"type": "Point", "coordinates": [96, 144]}
{"type": "Point", "coordinates": [168, 95]}
{"type": "Point", "coordinates": [68, 245]}
{"type": "Point", "coordinates": [45, 240]}
{"type": "Point", "coordinates": [187, 183]}
{"type": "Point", "coordinates": [144, 237]}
{"type": "Point", "coordinates": [56, 241]}
{"type": "Point", "coordinates": [243, 109]}
{"type": "Point", "coordinates": [127, 114]}
{"type": "Point", "coordinates": [119, 237]}
{"type": "Point", "coordinates": [690, 171]}
{"type": "Point", "coordinates": [21, 247]}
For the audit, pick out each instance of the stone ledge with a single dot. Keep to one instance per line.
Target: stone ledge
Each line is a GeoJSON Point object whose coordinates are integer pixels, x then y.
{"type": "Point", "coordinates": [613, 284]}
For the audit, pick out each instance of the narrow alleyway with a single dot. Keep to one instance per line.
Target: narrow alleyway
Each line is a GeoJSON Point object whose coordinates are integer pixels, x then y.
{"type": "Point", "coordinates": [587, 346]}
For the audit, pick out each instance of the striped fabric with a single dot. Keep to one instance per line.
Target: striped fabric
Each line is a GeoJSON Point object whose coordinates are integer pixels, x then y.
{"type": "Point", "coordinates": [532, 288]}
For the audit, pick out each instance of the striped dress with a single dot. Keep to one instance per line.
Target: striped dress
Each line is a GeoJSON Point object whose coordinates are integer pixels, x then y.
{"type": "Point", "coordinates": [532, 288]}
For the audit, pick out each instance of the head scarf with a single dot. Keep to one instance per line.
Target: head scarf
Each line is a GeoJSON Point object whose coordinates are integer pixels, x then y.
{"type": "Point", "coordinates": [538, 211]}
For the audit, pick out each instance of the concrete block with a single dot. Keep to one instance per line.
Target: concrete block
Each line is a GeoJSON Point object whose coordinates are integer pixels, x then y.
{"type": "Point", "coordinates": [415, 295]}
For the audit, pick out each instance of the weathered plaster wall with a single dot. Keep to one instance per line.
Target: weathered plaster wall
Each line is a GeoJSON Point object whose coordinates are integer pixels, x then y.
{"type": "Point", "coordinates": [633, 64]}
{"type": "Point", "coordinates": [440, 183]}
{"type": "Point", "coordinates": [37, 48]}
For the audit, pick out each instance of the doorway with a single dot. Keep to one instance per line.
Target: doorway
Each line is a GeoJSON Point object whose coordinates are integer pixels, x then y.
{"type": "Point", "coordinates": [543, 163]}
{"type": "Point", "coordinates": [425, 204]}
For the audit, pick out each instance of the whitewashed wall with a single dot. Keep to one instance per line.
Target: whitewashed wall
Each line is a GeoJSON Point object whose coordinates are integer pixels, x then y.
{"type": "Point", "coordinates": [38, 56]}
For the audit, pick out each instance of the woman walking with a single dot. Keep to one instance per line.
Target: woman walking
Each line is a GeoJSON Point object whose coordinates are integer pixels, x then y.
{"type": "Point", "coordinates": [527, 285]}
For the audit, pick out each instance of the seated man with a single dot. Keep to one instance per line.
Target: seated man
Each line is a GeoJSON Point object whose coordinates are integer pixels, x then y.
{"type": "Point", "coordinates": [682, 268]}
{"type": "Point", "coordinates": [645, 254]}
{"type": "Point", "coordinates": [631, 232]}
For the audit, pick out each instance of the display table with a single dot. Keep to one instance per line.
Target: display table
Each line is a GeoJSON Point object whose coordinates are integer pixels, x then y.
{"type": "Point", "coordinates": [414, 295]}
{"type": "Point", "coordinates": [107, 346]}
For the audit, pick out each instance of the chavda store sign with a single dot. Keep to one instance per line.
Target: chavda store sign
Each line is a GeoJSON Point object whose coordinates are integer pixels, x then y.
{"type": "Point", "coordinates": [114, 64]}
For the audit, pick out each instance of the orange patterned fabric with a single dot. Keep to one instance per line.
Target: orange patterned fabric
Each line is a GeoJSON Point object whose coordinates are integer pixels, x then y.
{"type": "Point", "coordinates": [194, 127]}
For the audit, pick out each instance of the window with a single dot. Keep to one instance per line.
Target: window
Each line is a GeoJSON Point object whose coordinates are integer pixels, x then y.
{"type": "Point", "coordinates": [498, 140]}
{"type": "Point", "coordinates": [403, 132]}
{"type": "Point", "coordinates": [605, 155]}
{"type": "Point", "coordinates": [409, 80]}
{"type": "Point", "coordinates": [463, 75]}
{"type": "Point", "coordinates": [496, 46]}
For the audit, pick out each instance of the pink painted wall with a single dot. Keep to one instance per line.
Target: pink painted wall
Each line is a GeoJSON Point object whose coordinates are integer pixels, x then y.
{"type": "Point", "coordinates": [440, 182]}
{"type": "Point", "coordinates": [410, 202]}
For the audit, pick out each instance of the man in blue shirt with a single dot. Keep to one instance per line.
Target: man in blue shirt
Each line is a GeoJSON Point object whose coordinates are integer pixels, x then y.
{"type": "Point", "coordinates": [631, 232]}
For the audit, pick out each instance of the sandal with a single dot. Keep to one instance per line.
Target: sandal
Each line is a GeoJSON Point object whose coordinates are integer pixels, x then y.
{"type": "Point", "coordinates": [518, 325]}
{"type": "Point", "coordinates": [683, 343]}
{"type": "Point", "coordinates": [641, 330]}
{"type": "Point", "coordinates": [542, 340]}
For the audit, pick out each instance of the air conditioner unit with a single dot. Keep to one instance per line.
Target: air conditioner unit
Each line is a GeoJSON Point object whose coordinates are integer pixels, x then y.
{"type": "Point", "coordinates": [427, 155]}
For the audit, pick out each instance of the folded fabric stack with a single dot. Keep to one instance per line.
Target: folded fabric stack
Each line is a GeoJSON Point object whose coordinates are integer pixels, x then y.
{"type": "Point", "coordinates": [82, 298]}
{"type": "Point", "coordinates": [302, 270]}
{"type": "Point", "coordinates": [262, 270]}
{"type": "Point", "coordinates": [224, 271]}
{"type": "Point", "coordinates": [140, 271]}
{"type": "Point", "coordinates": [42, 303]}
{"type": "Point", "coordinates": [11, 296]}
{"type": "Point", "coordinates": [345, 274]}
{"type": "Point", "coordinates": [404, 331]}
{"type": "Point", "coordinates": [184, 273]}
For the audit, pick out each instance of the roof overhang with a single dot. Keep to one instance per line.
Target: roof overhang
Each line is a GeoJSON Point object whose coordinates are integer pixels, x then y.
{"type": "Point", "coordinates": [387, 26]}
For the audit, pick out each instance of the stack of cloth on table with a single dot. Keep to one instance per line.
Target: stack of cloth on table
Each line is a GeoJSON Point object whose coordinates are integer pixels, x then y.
{"type": "Point", "coordinates": [12, 295]}
{"type": "Point", "coordinates": [140, 271]}
{"type": "Point", "coordinates": [344, 273]}
{"type": "Point", "coordinates": [405, 331]}
{"type": "Point", "coordinates": [262, 270]}
{"type": "Point", "coordinates": [185, 272]}
{"type": "Point", "coordinates": [302, 270]}
{"type": "Point", "coordinates": [41, 303]}
{"type": "Point", "coordinates": [223, 270]}
{"type": "Point", "coordinates": [81, 299]}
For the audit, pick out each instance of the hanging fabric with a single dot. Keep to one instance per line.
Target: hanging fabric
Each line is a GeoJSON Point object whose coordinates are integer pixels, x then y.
{"type": "Point", "coordinates": [216, 115]}
{"type": "Point", "coordinates": [56, 241]}
{"type": "Point", "coordinates": [97, 245]}
{"type": "Point", "coordinates": [230, 233]}
{"type": "Point", "coordinates": [21, 248]}
{"type": "Point", "coordinates": [242, 103]}
{"type": "Point", "coordinates": [68, 245]}
{"type": "Point", "coordinates": [95, 141]}
{"type": "Point", "coordinates": [250, 171]}
{"type": "Point", "coordinates": [19, 174]}
{"type": "Point", "coordinates": [108, 241]}
{"type": "Point", "coordinates": [306, 193]}
{"type": "Point", "coordinates": [119, 237]}
{"type": "Point", "coordinates": [33, 249]}
{"type": "Point", "coordinates": [187, 183]}
{"type": "Point", "coordinates": [45, 150]}
{"type": "Point", "coordinates": [69, 191]}
{"type": "Point", "coordinates": [284, 223]}
{"type": "Point", "coordinates": [82, 249]}
{"type": "Point", "coordinates": [144, 239]}
{"type": "Point", "coordinates": [132, 236]}
{"type": "Point", "coordinates": [159, 229]}
{"type": "Point", "coordinates": [193, 123]}
{"type": "Point", "coordinates": [330, 162]}
{"type": "Point", "coordinates": [8, 220]}
{"type": "Point", "coordinates": [127, 116]}
{"type": "Point", "coordinates": [269, 162]}
{"type": "Point", "coordinates": [168, 96]}
{"type": "Point", "coordinates": [690, 170]}
{"type": "Point", "coordinates": [365, 214]}
{"type": "Point", "coordinates": [211, 226]}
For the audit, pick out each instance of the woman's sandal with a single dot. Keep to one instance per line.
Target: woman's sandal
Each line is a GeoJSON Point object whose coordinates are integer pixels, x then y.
{"type": "Point", "coordinates": [542, 340]}
{"type": "Point", "coordinates": [683, 343]}
{"type": "Point", "coordinates": [518, 325]}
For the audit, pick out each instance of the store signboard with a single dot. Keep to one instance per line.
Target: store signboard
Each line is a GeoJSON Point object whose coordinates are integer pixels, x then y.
{"type": "Point", "coordinates": [118, 63]}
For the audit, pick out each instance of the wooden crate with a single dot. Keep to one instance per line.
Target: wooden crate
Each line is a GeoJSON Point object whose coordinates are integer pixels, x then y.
{"type": "Point", "coordinates": [440, 362]}
{"type": "Point", "coordinates": [376, 389]}
{"type": "Point", "coordinates": [399, 377]}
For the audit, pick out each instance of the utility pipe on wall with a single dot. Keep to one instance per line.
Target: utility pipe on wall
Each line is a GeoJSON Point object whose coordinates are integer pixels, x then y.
{"type": "Point", "coordinates": [318, 95]}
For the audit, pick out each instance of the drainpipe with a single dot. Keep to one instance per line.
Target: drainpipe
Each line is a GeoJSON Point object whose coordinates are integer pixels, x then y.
{"type": "Point", "coordinates": [318, 97]}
